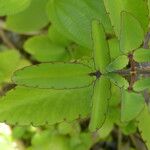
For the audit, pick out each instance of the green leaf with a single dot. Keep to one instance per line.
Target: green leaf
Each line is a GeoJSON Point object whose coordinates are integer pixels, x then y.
{"type": "Point", "coordinates": [143, 125]}
{"type": "Point", "coordinates": [101, 49]}
{"type": "Point", "coordinates": [73, 18]}
{"type": "Point", "coordinates": [100, 103]}
{"type": "Point", "coordinates": [142, 84]}
{"type": "Point", "coordinates": [44, 106]}
{"type": "Point", "coordinates": [142, 55]}
{"type": "Point", "coordinates": [54, 75]}
{"type": "Point", "coordinates": [118, 64]}
{"type": "Point", "coordinates": [118, 80]}
{"type": "Point", "coordinates": [132, 105]}
{"type": "Point", "coordinates": [10, 7]}
{"type": "Point", "coordinates": [114, 48]}
{"type": "Point", "coordinates": [31, 19]}
{"type": "Point", "coordinates": [132, 34]}
{"type": "Point", "coordinates": [42, 49]}
{"type": "Point", "coordinates": [115, 7]}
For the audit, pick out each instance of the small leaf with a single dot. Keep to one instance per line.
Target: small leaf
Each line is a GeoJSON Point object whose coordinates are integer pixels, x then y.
{"type": "Point", "coordinates": [101, 49]}
{"type": "Point", "coordinates": [142, 84]}
{"type": "Point", "coordinates": [34, 106]}
{"type": "Point", "coordinates": [31, 19]}
{"type": "Point", "coordinates": [10, 7]}
{"type": "Point", "coordinates": [132, 34]}
{"type": "Point", "coordinates": [142, 55]}
{"type": "Point", "coordinates": [43, 50]}
{"type": "Point", "coordinates": [114, 48]}
{"type": "Point", "coordinates": [143, 125]}
{"type": "Point", "coordinates": [118, 64]}
{"type": "Point", "coordinates": [118, 80]}
{"type": "Point", "coordinates": [54, 75]}
{"type": "Point", "coordinates": [100, 103]}
{"type": "Point", "coordinates": [132, 105]}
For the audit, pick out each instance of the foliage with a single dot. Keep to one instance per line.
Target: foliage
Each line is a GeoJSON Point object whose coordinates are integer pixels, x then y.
{"type": "Point", "coordinates": [78, 61]}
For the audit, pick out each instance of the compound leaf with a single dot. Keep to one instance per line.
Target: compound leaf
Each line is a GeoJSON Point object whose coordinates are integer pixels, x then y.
{"type": "Point", "coordinates": [44, 106]}
{"type": "Point", "coordinates": [142, 84]}
{"type": "Point", "coordinates": [118, 64]}
{"type": "Point", "coordinates": [132, 34]}
{"type": "Point", "coordinates": [143, 125]}
{"type": "Point", "coordinates": [132, 105]}
{"type": "Point", "coordinates": [100, 103]}
{"type": "Point", "coordinates": [43, 50]}
{"type": "Point", "coordinates": [142, 55]}
{"type": "Point", "coordinates": [54, 75]}
{"type": "Point", "coordinates": [101, 49]}
{"type": "Point", "coordinates": [10, 7]}
{"type": "Point", "coordinates": [31, 19]}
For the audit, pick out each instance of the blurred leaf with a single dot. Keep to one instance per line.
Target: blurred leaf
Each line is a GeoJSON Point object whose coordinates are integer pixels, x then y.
{"type": "Point", "coordinates": [43, 50]}
{"type": "Point", "coordinates": [143, 125]}
{"type": "Point", "coordinates": [10, 7]}
{"type": "Point", "coordinates": [31, 19]}
{"type": "Point", "coordinates": [54, 75]}
{"type": "Point", "coordinates": [34, 106]}
{"type": "Point", "coordinates": [100, 103]}
{"type": "Point", "coordinates": [142, 55]}
{"type": "Point", "coordinates": [115, 7]}
{"type": "Point", "coordinates": [101, 49]}
{"type": "Point", "coordinates": [73, 18]}
{"type": "Point", "coordinates": [132, 34]}
{"type": "Point", "coordinates": [132, 105]}
{"type": "Point", "coordinates": [118, 64]}
{"type": "Point", "coordinates": [142, 84]}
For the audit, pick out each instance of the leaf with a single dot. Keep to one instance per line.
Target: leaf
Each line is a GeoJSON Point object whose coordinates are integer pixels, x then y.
{"type": "Point", "coordinates": [100, 103]}
{"type": "Point", "coordinates": [10, 7]}
{"type": "Point", "coordinates": [132, 105]}
{"type": "Point", "coordinates": [114, 48]}
{"type": "Point", "coordinates": [35, 106]}
{"type": "Point", "coordinates": [118, 80]}
{"type": "Point", "coordinates": [54, 75]}
{"type": "Point", "coordinates": [142, 84]}
{"type": "Point", "coordinates": [142, 55]}
{"type": "Point", "coordinates": [43, 50]}
{"type": "Point", "coordinates": [73, 18]}
{"type": "Point", "coordinates": [118, 64]}
{"type": "Point", "coordinates": [29, 20]}
{"type": "Point", "coordinates": [143, 125]}
{"type": "Point", "coordinates": [101, 49]}
{"type": "Point", "coordinates": [115, 7]}
{"type": "Point", "coordinates": [132, 34]}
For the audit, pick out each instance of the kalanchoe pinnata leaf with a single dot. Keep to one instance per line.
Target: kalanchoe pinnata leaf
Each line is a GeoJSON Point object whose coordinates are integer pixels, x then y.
{"type": "Point", "coordinates": [73, 18]}
{"type": "Point", "coordinates": [25, 106]}
{"type": "Point", "coordinates": [118, 80]}
{"type": "Point", "coordinates": [131, 34]}
{"type": "Point", "coordinates": [42, 49]}
{"type": "Point", "coordinates": [10, 7]}
{"type": "Point", "coordinates": [118, 64]}
{"type": "Point", "coordinates": [101, 49]}
{"type": "Point", "coordinates": [142, 84]}
{"type": "Point", "coordinates": [115, 7]}
{"type": "Point", "coordinates": [144, 125]}
{"type": "Point", "coordinates": [132, 105]}
{"type": "Point", "coordinates": [31, 19]}
{"type": "Point", "coordinates": [55, 75]}
{"type": "Point", "coordinates": [100, 103]}
{"type": "Point", "coordinates": [142, 55]}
